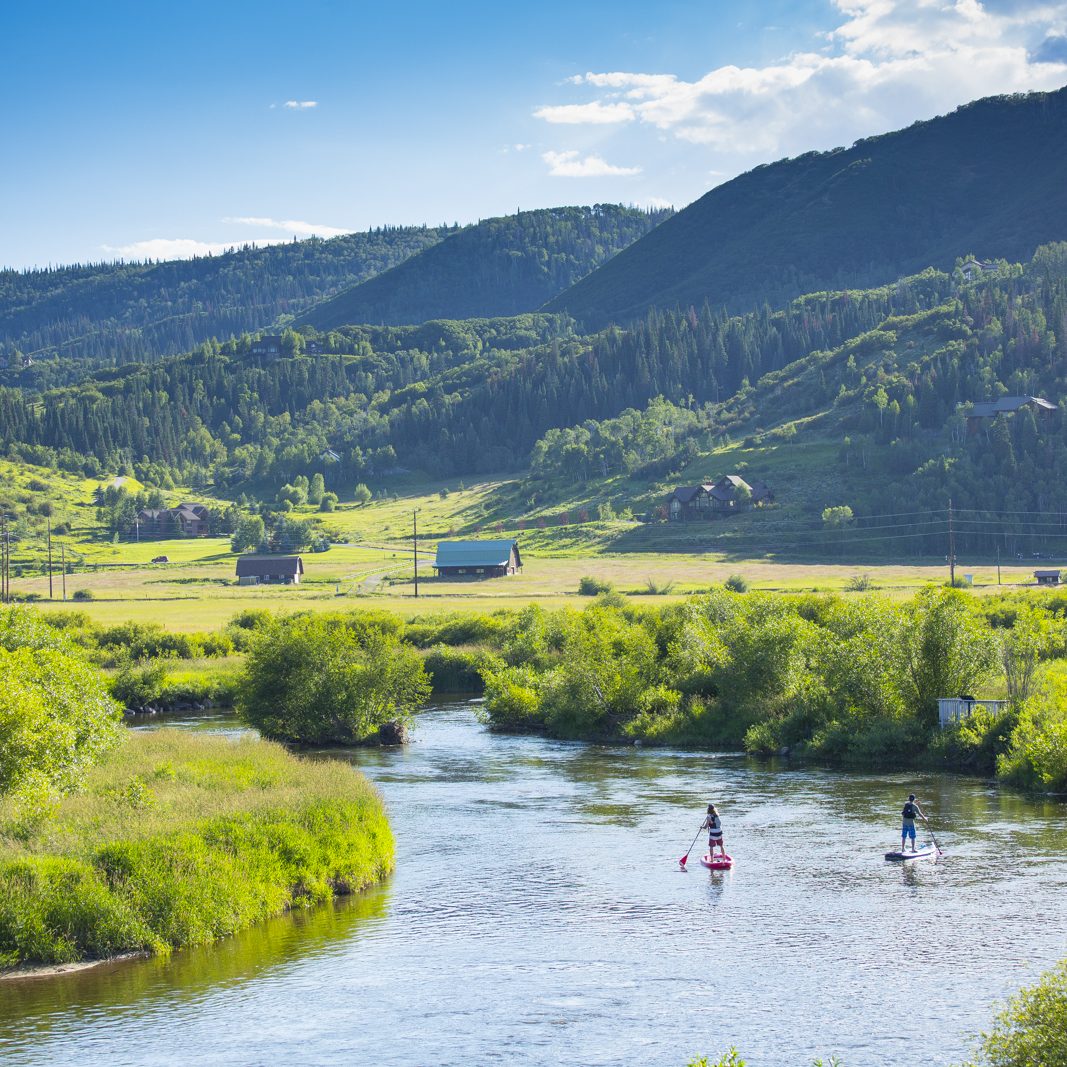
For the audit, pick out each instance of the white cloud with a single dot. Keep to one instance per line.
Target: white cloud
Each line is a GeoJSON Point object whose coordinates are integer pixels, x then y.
{"type": "Point", "coordinates": [885, 63]}
{"type": "Point", "coordinates": [294, 227]}
{"type": "Point", "coordinates": [579, 114]}
{"type": "Point", "coordinates": [171, 248]}
{"type": "Point", "coordinates": [300, 105]}
{"type": "Point", "coordinates": [571, 165]}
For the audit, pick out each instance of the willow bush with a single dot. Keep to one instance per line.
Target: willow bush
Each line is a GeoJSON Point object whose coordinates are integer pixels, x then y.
{"type": "Point", "coordinates": [329, 680]}
{"type": "Point", "coordinates": [56, 716]}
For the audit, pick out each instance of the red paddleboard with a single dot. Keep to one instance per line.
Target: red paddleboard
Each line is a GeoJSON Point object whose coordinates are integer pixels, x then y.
{"type": "Point", "coordinates": [718, 863]}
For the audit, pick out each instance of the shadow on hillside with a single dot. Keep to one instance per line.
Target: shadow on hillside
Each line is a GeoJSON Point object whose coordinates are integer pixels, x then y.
{"type": "Point", "coordinates": [740, 545]}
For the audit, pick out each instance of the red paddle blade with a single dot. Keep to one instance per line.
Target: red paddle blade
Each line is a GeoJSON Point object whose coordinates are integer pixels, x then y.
{"type": "Point", "coordinates": [681, 862]}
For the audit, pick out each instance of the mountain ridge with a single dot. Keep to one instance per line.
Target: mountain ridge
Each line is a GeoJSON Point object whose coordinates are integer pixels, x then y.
{"type": "Point", "coordinates": [507, 265]}
{"type": "Point", "coordinates": [991, 175]}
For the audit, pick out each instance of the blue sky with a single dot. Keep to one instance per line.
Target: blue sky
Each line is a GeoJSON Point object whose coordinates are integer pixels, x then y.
{"type": "Point", "coordinates": [164, 129]}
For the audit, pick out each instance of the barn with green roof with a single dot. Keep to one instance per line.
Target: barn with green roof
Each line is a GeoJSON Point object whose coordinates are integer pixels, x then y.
{"type": "Point", "coordinates": [477, 559]}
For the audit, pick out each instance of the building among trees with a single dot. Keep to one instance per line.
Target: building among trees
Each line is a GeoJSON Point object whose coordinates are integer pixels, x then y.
{"type": "Point", "coordinates": [186, 520]}
{"type": "Point", "coordinates": [730, 493]}
{"type": "Point", "coordinates": [1006, 405]}
{"type": "Point", "coordinates": [477, 559]}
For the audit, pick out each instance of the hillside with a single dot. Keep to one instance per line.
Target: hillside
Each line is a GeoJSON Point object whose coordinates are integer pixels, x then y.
{"type": "Point", "coordinates": [990, 178]}
{"type": "Point", "coordinates": [501, 266]}
{"type": "Point", "coordinates": [114, 313]}
{"type": "Point", "coordinates": [855, 399]}
{"type": "Point", "coordinates": [879, 424]}
{"type": "Point", "coordinates": [849, 398]}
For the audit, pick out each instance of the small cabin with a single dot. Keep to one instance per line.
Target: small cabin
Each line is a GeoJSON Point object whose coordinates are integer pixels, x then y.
{"type": "Point", "coordinates": [1047, 577]}
{"type": "Point", "coordinates": [477, 559]}
{"type": "Point", "coordinates": [952, 710]}
{"type": "Point", "coordinates": [269, 570]}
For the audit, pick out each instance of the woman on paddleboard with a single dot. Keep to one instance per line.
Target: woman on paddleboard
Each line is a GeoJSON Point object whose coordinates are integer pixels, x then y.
{"type": "Point", "coordinates": [713, 824]}
{"type": "Point", "coordinates": [910, 813]}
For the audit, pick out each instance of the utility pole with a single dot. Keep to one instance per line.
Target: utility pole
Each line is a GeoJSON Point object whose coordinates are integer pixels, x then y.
{"type": "Point", "coordinates": [998, 564]}
{"type": "Point", "coordinates": [5, 571]}
{"type": "Point", "coordinates": [951, 548]}
{"type": "Point", "coordinates": [415, 547]}
{"type": "Point", "coordinates": [63, 559]}
{"type": "Point", "coordinates": [49, 522]}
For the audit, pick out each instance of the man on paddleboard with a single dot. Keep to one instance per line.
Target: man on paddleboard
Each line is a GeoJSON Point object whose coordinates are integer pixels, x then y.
{"type": "Point", "coordinates": [713, 824]}
{"type": "Point", "coordinates": [910, 813]}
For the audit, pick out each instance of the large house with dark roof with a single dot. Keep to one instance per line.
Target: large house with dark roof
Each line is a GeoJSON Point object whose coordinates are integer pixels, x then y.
{"type": "Point", "coordinates": [729, 494]}
{"type": "Point", "coordinates": [1006, 405]}
{"type": "Point", "coordinates": [477, 559]}
{"type": "Point", "coordinates": [269, 570]}
{"type": "Point", "coordinates": [186, 520]}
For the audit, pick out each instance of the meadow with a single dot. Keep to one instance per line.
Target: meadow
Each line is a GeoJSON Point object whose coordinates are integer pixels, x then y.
{"type": "Point", "coordinates": [370, 561]}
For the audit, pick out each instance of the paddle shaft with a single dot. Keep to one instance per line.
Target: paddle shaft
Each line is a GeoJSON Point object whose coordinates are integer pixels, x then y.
{"type": "Point", "coordinates": [933, 835]}
{"type": "Point", "coordinates": [685, 859]}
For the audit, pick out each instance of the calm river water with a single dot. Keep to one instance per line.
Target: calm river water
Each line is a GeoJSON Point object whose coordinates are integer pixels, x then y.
{"type": "Point", "coordinates": [538, 916]}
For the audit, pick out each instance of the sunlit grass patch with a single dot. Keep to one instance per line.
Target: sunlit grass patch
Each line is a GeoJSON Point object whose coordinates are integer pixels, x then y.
{"type": "Point", "coordinates": [181, 839]}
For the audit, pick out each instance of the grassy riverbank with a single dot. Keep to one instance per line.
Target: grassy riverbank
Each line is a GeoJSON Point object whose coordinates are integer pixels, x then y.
{"type": "Point", "coordinates": [181, 839]}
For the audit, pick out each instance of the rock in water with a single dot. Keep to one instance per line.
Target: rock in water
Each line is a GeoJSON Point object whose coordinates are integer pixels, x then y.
{"type": "Point", "coordinates": [393, 732]}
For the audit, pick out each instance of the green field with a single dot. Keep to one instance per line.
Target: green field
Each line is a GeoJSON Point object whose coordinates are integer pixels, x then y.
{"type": "Point", "coordinates": [197, 589]}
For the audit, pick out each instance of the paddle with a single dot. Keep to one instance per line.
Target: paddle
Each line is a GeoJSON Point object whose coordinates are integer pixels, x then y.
{"type": "Point", "coordinates": [682, 861]}
{"type": "Point", "coordinates": [940, 852]}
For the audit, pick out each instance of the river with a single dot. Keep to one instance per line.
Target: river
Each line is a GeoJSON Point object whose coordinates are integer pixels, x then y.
{"type": "Point", "coordinates": [538, 915]}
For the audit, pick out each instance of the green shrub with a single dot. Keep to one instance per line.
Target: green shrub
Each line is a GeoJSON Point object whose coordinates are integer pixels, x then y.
{"type": "Point", "coordinates": [1032, 1029]}
{"type": "Point", "coordinates": [315, 680]}
{"type": "Point", "coordinates": [458, 670]}
{"type": "Point", "coordinates": [736, 583]}
{"type": "Point", "coordinates": [976, 743]}
{"type": "Point", "coordinates": [589, 586]}
{"type": "Point", "coordinates": [56, 717]}
{"type": "Point", "coordinates": [512, 701]}
{"type": "Point", "coordinates": [1036, 755]}
{"type": "Point", "coordinates": [82, 594]}
{"type": "Point", "coordinates": [139, 683]}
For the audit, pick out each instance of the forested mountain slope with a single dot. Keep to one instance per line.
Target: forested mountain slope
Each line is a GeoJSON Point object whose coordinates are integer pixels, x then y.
{"type": "Point", "coordinates": [881, 424]}
{"type": "Point", "coordinates": [501, 266]}
{"type": "Point", "coordinates": [114, 313]}
{"type": "Point", "coordinates": [990, 178]}
{"type": "Point", "coordinates": [874, 384]}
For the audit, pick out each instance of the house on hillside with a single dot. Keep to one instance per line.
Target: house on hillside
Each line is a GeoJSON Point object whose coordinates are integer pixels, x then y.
{"type": "Point", "coordinates": [975, 268]}
{"type": "Point", "coordinates": [1006, 405]}
{"type": "Point", "coordinates": [269, 570]}
{"type": "Point", "coordinates": [186, 520]}
{"type": "Point", "coordinates": [730, 493]}
{"type": "Point", "coordinates": [688, 502]}
{"type": "Point", "coordinates": [477, 559]}
{"type": "Point", "coordinates": [269, 345]}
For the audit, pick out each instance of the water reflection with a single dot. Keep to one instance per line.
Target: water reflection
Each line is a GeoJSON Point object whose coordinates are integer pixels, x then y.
{"type": "Point", "coordinates": [537, 916]}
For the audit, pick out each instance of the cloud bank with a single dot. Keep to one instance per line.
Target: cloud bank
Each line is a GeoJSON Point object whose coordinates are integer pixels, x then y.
{"type": "Point", "coordinates": [573, 165]}
{"type": "Point", "coordinates": [294, 227]}
{"type": "Point", "coordinates": [884, 64]}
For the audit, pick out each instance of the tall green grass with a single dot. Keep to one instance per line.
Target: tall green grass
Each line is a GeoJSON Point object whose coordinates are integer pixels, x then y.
{"type": "Point", "coordinates": [182, 839]}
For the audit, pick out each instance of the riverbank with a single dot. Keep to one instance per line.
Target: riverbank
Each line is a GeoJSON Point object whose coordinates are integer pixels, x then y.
{"type": "Point", "coordinates": [181, 839]}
